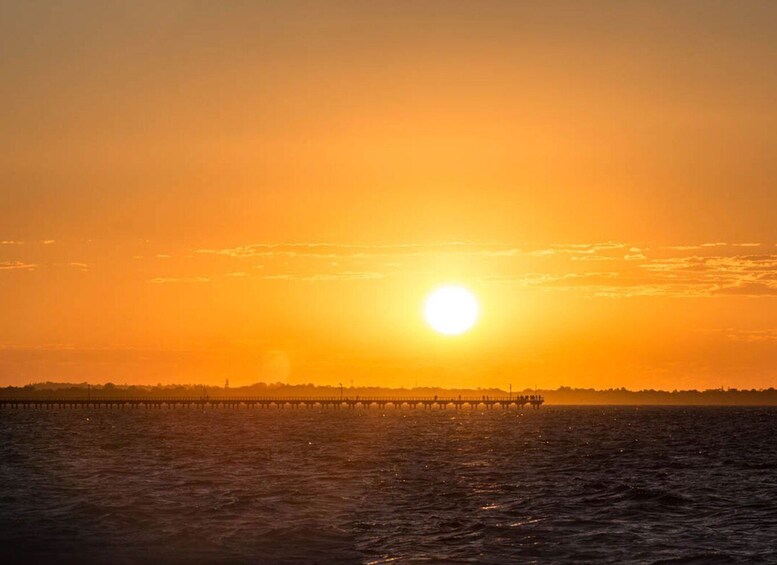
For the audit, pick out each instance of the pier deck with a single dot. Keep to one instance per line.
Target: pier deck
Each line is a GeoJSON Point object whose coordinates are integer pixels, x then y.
{"type": "Point", "coordinates": [535, 401]}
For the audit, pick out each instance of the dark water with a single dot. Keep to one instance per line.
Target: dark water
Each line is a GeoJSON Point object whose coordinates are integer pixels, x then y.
{"type": "Point", "coordinates": [370, 486]}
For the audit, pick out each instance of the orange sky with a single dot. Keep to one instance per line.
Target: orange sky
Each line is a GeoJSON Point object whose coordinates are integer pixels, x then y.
{"type": "Point", "coordinates": [191, 192]}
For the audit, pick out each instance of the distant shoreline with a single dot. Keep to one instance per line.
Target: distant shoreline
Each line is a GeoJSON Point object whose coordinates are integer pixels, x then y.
{"type": "Point", "coordinates": [563, 396]}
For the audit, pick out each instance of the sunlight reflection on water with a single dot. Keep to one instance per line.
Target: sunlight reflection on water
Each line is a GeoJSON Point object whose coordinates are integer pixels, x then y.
{"type": "Point", "coordinates": [588, 484]}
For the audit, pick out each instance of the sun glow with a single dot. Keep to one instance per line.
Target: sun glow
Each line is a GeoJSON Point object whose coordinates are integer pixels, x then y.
{"type": "Point", "coordinates": [451, 310]}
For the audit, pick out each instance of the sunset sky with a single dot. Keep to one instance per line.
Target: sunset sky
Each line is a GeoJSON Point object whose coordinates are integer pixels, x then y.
{"type": "Point", "coordinates": [267, 191]}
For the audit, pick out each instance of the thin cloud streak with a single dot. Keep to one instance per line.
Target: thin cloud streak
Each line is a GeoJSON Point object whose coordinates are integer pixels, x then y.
{"type": "Point", "coordinates": [342, 276]}
{"type": "Point", "coordinates": [17, 266]}
{"type": "Point", "coordinates": [170, 280]}
{"type": "Point", "coordinates": [332, 251]}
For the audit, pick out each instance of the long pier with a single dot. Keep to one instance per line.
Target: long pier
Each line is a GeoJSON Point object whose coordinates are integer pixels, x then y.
{"type": "Point", "coordinates": [506, 402]}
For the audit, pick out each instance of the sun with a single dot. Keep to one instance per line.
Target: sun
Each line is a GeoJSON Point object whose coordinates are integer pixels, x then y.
{"type": "Point", "coordinates": [451, 310]}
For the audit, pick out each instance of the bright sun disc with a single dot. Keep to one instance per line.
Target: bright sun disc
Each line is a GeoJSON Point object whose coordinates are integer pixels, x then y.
{"type": "Point", "coordinates": [451, 310]}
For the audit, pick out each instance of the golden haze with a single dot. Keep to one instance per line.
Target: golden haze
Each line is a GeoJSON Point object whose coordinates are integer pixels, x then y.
{"type": "Point", "coordinates": [269, 193]}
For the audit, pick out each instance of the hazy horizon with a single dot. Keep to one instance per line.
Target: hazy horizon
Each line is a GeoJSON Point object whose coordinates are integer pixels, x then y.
{"type": "Point", "coordinates": [278, 384]}
{"type": "Point", "coordinates": [562, 396]}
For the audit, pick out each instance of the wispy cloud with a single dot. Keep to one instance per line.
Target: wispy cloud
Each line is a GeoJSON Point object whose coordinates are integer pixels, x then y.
{"type": "Point", "coordinates": [681, 247]}
{"type": "Point", "coordinates": [605, 269]}
{"type": "Point", "coordinates": [708, 245]}
{"type": "Point", "coordinates": [635, 254]}
{"type": "Point", "coordinates": [742, 275]}
{"type": "Point", "coordinates": [17, 265]}
{"type": "Point", "coordinates": [768, 335]}
{"type": "Point", "coordinates": [584, 249]}
{"type": "Point", "coordinates": [333, 250]}
{"type": "Point", "coordinates": [341, 276]}
{"type": "Point", "coordinates": [554, 279]}
{"type": "Point", "coordinates": [634, 274]}
{"type": "Point", "coordinates": [170, 280]}
{"type": "Point", "coordinates": [749, 289]}
{"type": "Point", "coordinates": [714, 268]}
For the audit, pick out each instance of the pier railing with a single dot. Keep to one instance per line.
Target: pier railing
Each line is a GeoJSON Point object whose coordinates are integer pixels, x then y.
{"type": "Point", "coordinates": [348, 401]}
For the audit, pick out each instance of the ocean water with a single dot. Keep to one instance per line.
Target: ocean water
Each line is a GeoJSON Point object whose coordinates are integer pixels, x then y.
{"type": "Point", "coordinates": [559, 484]}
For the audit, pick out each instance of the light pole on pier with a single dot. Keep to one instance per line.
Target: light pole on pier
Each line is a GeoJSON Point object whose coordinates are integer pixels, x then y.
{"type": "Point", "coordinates": [341, 391]}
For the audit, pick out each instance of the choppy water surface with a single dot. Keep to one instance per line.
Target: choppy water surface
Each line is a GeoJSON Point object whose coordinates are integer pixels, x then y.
{"type": "Point", "coordinates": [371, 486]}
